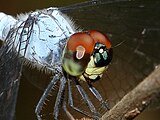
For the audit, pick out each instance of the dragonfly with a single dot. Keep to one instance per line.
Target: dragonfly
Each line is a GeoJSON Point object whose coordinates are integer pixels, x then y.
{"type": "Point", "coordinates": [137, 34]}
{"type": "Point", "coordinates": [40, 36]}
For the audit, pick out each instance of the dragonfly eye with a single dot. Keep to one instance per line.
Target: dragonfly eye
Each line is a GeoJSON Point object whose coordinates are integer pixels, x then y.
{"type": "Point", "coordinates": [102, 56]}
{"type": "Point", "coordinates": [102, 53]}
{"type": "Point", "coordinates": [77, 52]}
{"type": "Point", "coordinates": [101, 38]}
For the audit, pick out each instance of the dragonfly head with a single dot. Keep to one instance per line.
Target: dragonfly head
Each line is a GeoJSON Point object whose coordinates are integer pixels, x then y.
{"type": "Point", "coordinates": [86, 51]}
{"type": "Point", "coordinates": [77, 52]}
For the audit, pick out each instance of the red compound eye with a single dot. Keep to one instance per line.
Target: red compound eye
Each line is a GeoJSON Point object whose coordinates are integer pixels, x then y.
{"type": "Point", "coordinates": [99, 37]}
{"type": "Point", "coordinates": [81, 39]}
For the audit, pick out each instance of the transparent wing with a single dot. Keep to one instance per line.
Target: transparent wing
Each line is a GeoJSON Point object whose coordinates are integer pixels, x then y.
{"type": "Point", "coordinates": [134, 22]}
{"type": "Point", "coordinates": [10, 72]}
{"type": "Point", "coordinates": [11, 64]}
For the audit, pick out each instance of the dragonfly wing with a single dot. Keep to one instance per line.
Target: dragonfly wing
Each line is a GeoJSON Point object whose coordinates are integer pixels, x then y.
{"type": "Point", "coordinates": [10, 72]}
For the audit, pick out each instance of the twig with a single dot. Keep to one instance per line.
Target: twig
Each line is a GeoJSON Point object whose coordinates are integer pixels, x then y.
{"type": "Point", "coordinates": [133, 103]}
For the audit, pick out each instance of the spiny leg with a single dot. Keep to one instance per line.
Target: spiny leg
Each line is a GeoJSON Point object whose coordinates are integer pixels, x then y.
{"type": "Point", "coordinates": [67, 112]}
{"type": "Point", "coordinates": [44, 96]}
{"type": "Point", "coordinates": [87, 100]}
{"type": "Point", "coordinates": [70, 100]}
{"type": "Point", "coordinates": [98, 96]}
{"type": "Point", "coordinates": [59, 97]}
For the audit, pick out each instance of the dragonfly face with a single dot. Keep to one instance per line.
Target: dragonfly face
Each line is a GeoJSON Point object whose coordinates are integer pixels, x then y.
{"type": "Point", "coordinates": [87, 55]}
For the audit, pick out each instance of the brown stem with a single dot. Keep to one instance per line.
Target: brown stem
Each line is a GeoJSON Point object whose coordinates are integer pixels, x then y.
{"type": "Point", "coordinates": [133, 103]}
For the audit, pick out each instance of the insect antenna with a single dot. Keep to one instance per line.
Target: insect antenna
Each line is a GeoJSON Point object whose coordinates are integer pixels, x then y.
{"type": "Point", "coordinates": [117, 45]}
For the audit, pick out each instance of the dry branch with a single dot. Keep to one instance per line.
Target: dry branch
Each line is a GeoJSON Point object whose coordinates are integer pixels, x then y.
{"type": "Point", "coordinates": [133, 103]}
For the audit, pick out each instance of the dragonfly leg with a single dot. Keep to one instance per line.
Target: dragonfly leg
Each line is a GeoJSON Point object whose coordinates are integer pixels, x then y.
{"type": "Point", "coordinates": [44, 96]}
{"type": "Point", "coordinates": [98, 96]}
{"type": "Point", "coordinates": [59, 97]}
{"type": "Point", "coordinates": [71, 102]}
{"type": "Point", "coordinates": [67, 112]}
{"type": "Point", "coordinates": [87, 100]}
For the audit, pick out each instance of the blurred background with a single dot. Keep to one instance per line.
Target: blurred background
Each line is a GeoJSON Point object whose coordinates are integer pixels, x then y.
{"type": "Point", "coordinates": [135, 22]}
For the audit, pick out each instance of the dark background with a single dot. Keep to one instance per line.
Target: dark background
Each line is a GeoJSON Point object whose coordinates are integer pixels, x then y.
{"type": "Point", "coordinates": [125, 65]}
